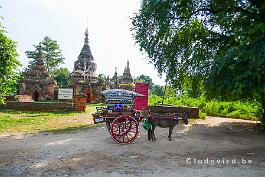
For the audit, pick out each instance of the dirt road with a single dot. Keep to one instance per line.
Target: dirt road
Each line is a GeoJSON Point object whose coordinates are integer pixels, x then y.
{"type": "Point", "coordinates": [210, 147]}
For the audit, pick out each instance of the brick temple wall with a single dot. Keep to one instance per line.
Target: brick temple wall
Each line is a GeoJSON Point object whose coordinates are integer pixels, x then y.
{"type": "Point", "coordinates": [38, 106]}
{"type": "Point", "coordinates": [80, 103]}
{"type": "Point", "coordinates": [192, 112]}
{"type": "Point", "coordinates": [21, 98]}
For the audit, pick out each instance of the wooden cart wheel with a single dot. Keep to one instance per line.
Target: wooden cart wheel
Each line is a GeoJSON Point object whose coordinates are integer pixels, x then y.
{"type": "Point", "coordinates": [124, 129]}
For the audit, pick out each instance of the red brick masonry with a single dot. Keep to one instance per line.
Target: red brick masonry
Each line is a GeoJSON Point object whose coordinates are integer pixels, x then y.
{"type": "Point", "coordinates": [38, 106]}
{"type": "Point", "coordinates": [80, 103]}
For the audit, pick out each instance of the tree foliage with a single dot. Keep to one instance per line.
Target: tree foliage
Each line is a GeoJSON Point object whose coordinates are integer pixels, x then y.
{"type": "Point", "coordinates": [157, 90]}
{"type": "Point", "coordinates": [62, 77]}
{"type": "Point", "coordinates": [144, 78]}
{"type": "Point", "coordinates": [8, 64]}
{"type": "Point", "coordinates": [193, 87]}
{"type": "Point", "coordinates": [153, 89]}
{"type": "Point", "coordinates": [51, 52]}
{"type": "Point", "coordinates": [103, 81]}
{"type": "Point", "coordinates": [221, 44]}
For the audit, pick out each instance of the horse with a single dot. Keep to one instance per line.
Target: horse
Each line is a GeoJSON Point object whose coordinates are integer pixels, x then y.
{"type": "Point", "coordinates": [164, 121]}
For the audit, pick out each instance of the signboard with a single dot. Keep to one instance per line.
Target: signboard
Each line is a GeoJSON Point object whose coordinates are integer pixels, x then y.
{"type": "Point", "coordinates": [65, 94]}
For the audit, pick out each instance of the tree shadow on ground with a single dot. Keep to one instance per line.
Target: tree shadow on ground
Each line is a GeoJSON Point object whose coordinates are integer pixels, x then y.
{"type": "Point", "coordinates": [72, 129]}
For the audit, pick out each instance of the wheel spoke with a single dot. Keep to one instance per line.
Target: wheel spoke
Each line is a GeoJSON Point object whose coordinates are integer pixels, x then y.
{"type": "Point", "coordinates": [124, 129]}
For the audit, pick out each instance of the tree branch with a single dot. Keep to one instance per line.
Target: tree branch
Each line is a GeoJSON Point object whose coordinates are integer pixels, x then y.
{"type": "Point", "coordinates": [226, 10]}
{"type": "Point", "coordinates": [216, 11]}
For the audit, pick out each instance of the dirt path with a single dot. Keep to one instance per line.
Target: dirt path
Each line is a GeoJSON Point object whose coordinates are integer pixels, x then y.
{"type": "Point", "coordinates": [200, 149]}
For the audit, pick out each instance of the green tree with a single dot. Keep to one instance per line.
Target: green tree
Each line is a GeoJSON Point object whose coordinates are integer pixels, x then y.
{"type": "Point", "coordinates": [144, 78]}
{"type": "Point", "coordinates": [193, 87]}
{"type": "Point", "coordinates": [157, 90]}
{"type": "Point", "coordinates": [220, 43]}
{"type": "Point", "coordinates": [13, 84]}
{"type": "Point", "coordinates": [169, 92]}
{"type": "Point", "coordinates": [8, 64]}
{"type": "Point", "coordinates": [103, 81]}
{"type": "Point", "coordinates": [51, 53]}
{"type": "Point", "coordinates": [62, 77]}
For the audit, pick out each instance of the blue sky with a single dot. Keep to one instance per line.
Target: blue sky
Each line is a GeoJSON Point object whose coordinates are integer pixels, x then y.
{"type": "Point", "coordinates": [111, 42]}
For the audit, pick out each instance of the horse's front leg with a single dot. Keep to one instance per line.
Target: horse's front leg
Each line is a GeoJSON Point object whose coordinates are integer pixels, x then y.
{"type": "Point", "coordinates": [149, 134]}
{"type": "Point", "coordinates": [170, 133]}
{"type": "Point", "coordinates": [153, 132]}
{"type": "Point", "coordinates": [171, 127]}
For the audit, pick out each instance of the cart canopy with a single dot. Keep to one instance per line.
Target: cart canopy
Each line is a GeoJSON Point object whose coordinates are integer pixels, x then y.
{"type": "Point", "coordinates": [120, 94]}
{"type": "Point", "coordinates": [114, 96]}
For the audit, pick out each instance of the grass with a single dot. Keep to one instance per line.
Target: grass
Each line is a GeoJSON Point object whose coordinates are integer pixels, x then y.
{"type": "Point", "coordinates": [13, 122]}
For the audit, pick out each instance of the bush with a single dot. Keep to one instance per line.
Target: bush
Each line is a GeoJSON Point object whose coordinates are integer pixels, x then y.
{"type": "Point", "coordinates": [235, 109]}
{"type": "Point", "coordinates": [202, 115]}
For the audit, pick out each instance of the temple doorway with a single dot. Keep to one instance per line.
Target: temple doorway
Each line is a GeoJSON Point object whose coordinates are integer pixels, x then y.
{"type": "Point", "coordinates": [88, 95]}
{"type": "Point", "coordinates": [35, 95]}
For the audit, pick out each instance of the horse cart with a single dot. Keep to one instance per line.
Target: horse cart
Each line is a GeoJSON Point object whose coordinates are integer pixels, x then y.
{"type": "Point", "coordinates": [119, 115]}
{"type": "Point", "coordinates": [122, 116]}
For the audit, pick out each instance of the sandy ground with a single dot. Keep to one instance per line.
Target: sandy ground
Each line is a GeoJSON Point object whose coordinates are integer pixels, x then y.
{"type": "Point", "coordinates": [210, 147]}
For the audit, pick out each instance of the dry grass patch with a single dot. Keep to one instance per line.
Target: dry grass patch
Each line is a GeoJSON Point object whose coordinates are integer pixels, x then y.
{"type": "Point", "coordinates": [14, 122]}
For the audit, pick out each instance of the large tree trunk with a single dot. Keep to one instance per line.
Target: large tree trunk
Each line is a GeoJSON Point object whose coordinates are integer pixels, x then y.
{"type": "Point", "coordinates": [263, 114]}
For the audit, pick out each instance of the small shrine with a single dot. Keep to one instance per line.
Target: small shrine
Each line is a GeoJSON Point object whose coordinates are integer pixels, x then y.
{"type": "Point", "coordinates": [83, 78]}
{"type": "Point", "coordinates": [125, 81]}
{"type": "Point", "coordinates": [38, 83]}
{"type": "Point", "coordinates": [115, 80]}
{"type": "Point", "coordinates": [127, 77]}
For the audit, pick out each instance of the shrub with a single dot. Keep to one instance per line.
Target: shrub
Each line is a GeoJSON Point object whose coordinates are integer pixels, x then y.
{"type": "Point", "coordinates": [202, 115]}
{"type": "Point", "coordinates": [235, 109]}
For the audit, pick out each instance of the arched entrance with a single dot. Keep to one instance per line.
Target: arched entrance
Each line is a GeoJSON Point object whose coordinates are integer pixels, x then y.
{"type": "Point", "coordinates": [35, 95]}
{"type": "Point", "coordinates": [88, 94]}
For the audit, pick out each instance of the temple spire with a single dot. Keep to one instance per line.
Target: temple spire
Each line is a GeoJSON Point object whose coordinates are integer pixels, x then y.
{"type": "Point", "coordinates": [85, 53]}
{"type": "Point", "coordinates": [85, 67]}
{"type": "Point", "coordinates": [127, 77]}
{"type": "Point", "coordinates": [40, 58]}
{"type": "Point", "coordinates": [86, 36]}
{"type": "Point", "coordinates": [115, 78]}
{"type": "Point", "coordinates": [39, 49]}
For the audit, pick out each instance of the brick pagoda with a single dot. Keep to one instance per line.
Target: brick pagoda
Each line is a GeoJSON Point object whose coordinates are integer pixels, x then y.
{"type": "Point", "coordinates": [83, 78]}
{"type": "Point", "coordinates": [38, 83]}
